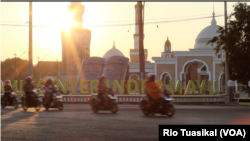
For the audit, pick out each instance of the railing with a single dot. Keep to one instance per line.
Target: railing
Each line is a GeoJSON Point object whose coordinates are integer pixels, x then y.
{"type": "Point", "coordinates": [138, 98]}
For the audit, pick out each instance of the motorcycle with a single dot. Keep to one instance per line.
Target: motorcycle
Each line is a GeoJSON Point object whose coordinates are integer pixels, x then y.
{"type": "Point", "coordinates": [13, 100]}
{"type": "Point", "coordinates": [147, 106]}
{"type": "Point", "coordinates": [110, 102]}
{"type": "Point", "coordinates": [34, 101]}
{"type": "Point", "coordinates": [56, 103]}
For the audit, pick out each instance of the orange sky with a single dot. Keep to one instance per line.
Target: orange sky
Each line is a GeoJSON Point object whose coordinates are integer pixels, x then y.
{"type": "Point", "coordinates": [46, 40]}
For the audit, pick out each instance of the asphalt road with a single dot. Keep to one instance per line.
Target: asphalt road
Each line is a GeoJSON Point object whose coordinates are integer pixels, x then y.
{"type": "Point", "coordinates": [78, 123]}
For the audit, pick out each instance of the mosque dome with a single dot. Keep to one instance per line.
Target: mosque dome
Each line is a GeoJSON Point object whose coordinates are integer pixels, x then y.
{"type": "Point", "coordinates": [207, 34]}
{"type": "Point", "coordinates": [113, 52]}
{"type": "Point", "coordinates": [167, 43]}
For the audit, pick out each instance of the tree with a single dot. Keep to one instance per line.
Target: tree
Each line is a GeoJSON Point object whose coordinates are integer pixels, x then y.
{"type": "Point", "coordinates": [22, 69]}
{"type": "Point", "coordinates": [238, 43]}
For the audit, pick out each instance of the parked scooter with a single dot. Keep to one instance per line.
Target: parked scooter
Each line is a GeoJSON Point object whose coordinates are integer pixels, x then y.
{"type": "Point", "coordinates": [56, 102]}
{"type": "Point", "coordinates": [110, 102]}
{"type": "Point", "coordinates": [168, 108]}
{"type": "Point", "coordinates": [34, 101]}
{"type": "Point", "coordinates": [12, 102]}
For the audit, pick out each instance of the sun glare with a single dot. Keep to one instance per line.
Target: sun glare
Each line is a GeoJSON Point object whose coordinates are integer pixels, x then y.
{"type": "Point", "coordinates": [68, 22]}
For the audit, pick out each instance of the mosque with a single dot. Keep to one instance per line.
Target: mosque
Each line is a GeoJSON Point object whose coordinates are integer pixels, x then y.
{"type": "Point", "coordinates": [199, 63]}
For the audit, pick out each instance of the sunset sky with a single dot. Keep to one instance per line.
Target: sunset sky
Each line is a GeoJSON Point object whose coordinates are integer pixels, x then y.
{"type": "Point", "coordinates": [47, 40]}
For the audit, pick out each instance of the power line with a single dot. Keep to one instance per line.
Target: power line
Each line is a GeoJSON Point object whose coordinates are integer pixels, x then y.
{"type": "Point", "coordinates": [112, 25]}
{"type": "Point", "coordinates": [121, 21]}
{"type": "Point", "coordinates": [126, 38]}
{"type": "Point", "coordinates": [155, 23]}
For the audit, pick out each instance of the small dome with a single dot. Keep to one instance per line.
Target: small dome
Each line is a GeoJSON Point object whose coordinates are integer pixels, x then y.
{"type": "Point", "coordinates": [113, 52]}
{"type": "Point", "coordinates": [207, 34]}
{"type": "Point", "coordinates": [167, 43]}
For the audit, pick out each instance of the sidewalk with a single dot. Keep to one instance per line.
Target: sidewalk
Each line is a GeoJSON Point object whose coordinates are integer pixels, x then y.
{"type": "Point", "coordinates": [212, 104]}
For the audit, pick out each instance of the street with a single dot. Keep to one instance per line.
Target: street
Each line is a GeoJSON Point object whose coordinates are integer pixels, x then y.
{"type": "Point", "coordinates": [78, 122]}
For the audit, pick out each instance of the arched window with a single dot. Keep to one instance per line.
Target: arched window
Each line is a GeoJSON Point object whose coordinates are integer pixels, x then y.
{"type": "Point", "coordinates": [204, 68]}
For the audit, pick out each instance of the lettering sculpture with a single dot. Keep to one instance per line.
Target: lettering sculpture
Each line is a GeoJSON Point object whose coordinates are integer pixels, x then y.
{"type": "Point", "coordinates": [119, 87]}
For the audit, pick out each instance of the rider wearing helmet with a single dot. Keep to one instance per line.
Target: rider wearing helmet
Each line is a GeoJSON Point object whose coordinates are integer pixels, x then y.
{"type": "Point", "coordinates": [153, 90]}
{"type": "Point", "coordinates": [28, 88]}
{"type": "Point", "coordinates": [101, 89]}
{"type": "Point", "coordinates": [7, 90]}
{"type": "Point", "coordinates": [49, 89]}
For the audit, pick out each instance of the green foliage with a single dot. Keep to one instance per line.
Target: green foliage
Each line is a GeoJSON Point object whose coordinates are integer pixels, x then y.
{"type": "Point", "coordinates": [22, 69]}
{"type": "Point", "coordinates": [238, 43]}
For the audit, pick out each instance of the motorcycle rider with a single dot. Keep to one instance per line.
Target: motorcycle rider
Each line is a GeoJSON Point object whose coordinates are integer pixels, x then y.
{"type": "Point", "coordinates": [154, 91]}
{"type": "Point", "coordinates": [28, 88]}
{"type": "Point", "coordinates": [7, 90]}
{"type": "Point", "coordinates": [49, 90]}
{"type": "Point", "coordinates": [102, 90]}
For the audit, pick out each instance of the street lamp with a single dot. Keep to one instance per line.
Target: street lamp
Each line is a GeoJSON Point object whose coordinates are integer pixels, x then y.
{"type": "Point", "coordinates": [15, 65]}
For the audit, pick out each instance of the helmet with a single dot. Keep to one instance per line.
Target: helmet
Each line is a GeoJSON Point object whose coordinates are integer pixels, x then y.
{"type": "Point", "coordinates": [101, 78]}
{"type": "Point", "coordinates": [49, 78]}
{"type": "Point", "coordinates": [7, 82]}
{"type": "Point", "coordinates": [28, 79]}
{"type": "Point", "coordinates": [150, 75]}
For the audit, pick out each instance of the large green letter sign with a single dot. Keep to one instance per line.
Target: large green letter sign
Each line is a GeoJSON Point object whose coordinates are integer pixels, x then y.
{"type": "Point", "coordinates": [201, 87]}
{"type": "Point", "coordinates": [190, 87]}
{"type": "Point", "coordinates": [179, 84]}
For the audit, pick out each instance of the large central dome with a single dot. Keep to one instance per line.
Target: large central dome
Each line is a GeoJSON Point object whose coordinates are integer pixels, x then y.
{"type": "Point", "coordinates": [205, 35]}
{"type": "Point", "coordinates": [113, 52]}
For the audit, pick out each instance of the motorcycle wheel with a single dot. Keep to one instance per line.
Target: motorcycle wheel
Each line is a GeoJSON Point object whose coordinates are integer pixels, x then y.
{"type": "Point", "coordinates": [15, 103]}
{"type": "Point", "coordinates": [24, 105]}
{"type": "Point", "coordinates": [114, 108]}
{"type": "Point", "coordinates": [94, 107]}
{"type": "Point", "coordinates": [3, 104]}
{"type": "Point", "coordinates": [60, 106]}
{"type": "Point", "coordinates": [145, 111]}
{"type": "Point", "coordinates": [170, 110]}
{"type": "Point", "coordinates": [38, 107]}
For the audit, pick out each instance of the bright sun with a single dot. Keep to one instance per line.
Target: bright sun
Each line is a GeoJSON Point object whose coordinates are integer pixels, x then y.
{"type": "Point", "coordinates": [68, 22]}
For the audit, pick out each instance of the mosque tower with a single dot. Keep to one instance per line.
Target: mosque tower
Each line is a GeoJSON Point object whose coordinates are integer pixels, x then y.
{"type": "Point", "coordinates": [134, 53]}
{"type": "Point", "coordinates": [75, 43]}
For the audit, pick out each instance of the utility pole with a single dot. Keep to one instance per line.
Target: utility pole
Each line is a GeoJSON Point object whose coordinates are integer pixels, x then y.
{"type": "Point", "coordinates": [57, 69]}
{"type": "Point", "coordinates": [141, 48]}
{"type": "Point", "coordinates": [226, 58]}
{"type": "Point", "coordinates": [38, 69]}
{"type": "Point", "coordinates": [30, 40]}
{"type": "Point", "coordinates": [15, 65]}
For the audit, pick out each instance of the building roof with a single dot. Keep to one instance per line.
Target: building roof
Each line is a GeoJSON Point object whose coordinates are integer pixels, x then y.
{"type": "Point", "coordinates": [207, 34]}
{"type": "Point", "coordinates": [113, 52]}
{"type": "Point", "coordinates": [167, 43]}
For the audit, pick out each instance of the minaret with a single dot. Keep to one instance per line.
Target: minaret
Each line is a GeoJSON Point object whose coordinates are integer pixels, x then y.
{"type": "Point", "coordinates": [134, 53]}
{"type": "Point", "coordinates": [78, 9]}
{"type": "Point", "coordinates": [167, 46]}
{"type": "Point", "coordinates": [167, 50]}
{"type": "Point", "coordinates": [136, 35]}
{"type": "Point", "coordinates": [213, 22]}
{"type": "Point", "coordinates": [75, 43]}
